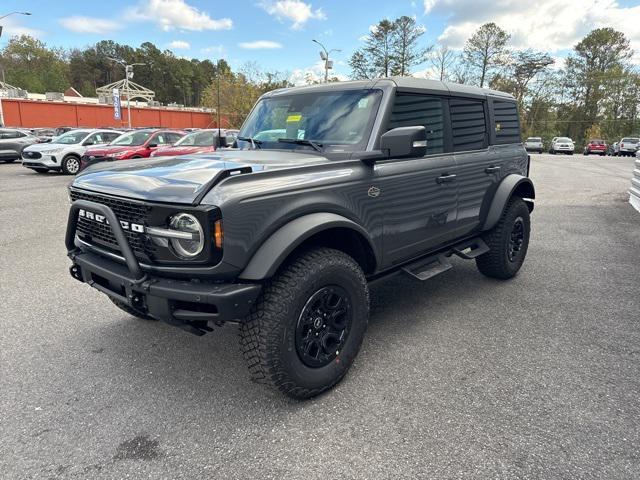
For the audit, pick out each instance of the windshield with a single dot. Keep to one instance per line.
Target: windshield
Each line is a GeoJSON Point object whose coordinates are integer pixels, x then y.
{"type": "Point", "coordinates": [563, 139]}
{"type": "Point", "coordinates": [338, 119]}
{"type": "Point", "coordinates": [630, 140]}
{"type": "Point", "coordinates": [132, 138]}
{"type": "Point", "coordinates": [71, 138]}
{"type": "Point", "coordinates": [197, 139]}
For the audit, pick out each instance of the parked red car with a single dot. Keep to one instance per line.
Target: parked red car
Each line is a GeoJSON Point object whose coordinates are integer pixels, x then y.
{"type": "Point", "coordinates": [200, 141]}
{"type": "Point", "coordinates": [596, 146]}
{"type": "Point", "coordinates": [134, 144]}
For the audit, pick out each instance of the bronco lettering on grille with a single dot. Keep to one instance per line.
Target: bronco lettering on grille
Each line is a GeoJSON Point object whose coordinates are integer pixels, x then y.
{"type": "Point", "coordinates": [96, 217]}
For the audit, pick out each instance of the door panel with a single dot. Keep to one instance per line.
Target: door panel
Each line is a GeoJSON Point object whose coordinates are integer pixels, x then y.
{"type": "Point", "coordinates": [419, 209]}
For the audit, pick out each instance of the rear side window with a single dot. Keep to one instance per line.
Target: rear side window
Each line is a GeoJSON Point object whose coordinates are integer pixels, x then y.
{"type": "Point", "coordinates": [468, 124]}
{"type": "Point", "coordinates": [506, 122]}
{"type": "Point", "coordinates": [412, 110]}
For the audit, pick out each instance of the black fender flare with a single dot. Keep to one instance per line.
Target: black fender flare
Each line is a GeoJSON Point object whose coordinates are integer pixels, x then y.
{"type": "Point", "coordinates": [510, 185]}
{"type": "Point", "coordinates": [267, 259]}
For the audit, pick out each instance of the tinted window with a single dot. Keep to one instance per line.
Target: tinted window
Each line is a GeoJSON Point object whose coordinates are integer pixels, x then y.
{"type": "Point", "coordinates": [468, 124]}
{"type": "Point", "coordinates": [412, 110]}
{"type": "Point", "coordinates": [507, 122]}
{"type": "Point", "coordinates": [8, 134]}
{"type": "Point", "coordinates": [174, 137]}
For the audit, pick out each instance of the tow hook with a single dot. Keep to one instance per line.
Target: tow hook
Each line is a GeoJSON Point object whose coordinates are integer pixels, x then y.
{"type": "Point", "coordinates": [75, 272]}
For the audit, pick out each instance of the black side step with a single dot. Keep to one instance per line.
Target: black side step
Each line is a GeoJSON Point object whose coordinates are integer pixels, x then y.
{"type": "Point", "coordinates": [428, 267]}
{"type": "Point", "coordinates": [470, 249]}
{"type": "Point", "coordinates": [433, 265]}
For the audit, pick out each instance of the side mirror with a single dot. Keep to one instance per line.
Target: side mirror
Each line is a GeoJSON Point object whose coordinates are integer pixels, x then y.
{"type": "Point", "coordinates": [404, 142]}
{"type": "Point", "coordinates": [88, 143]}
{"type": "Point", "coordinates": [152, 145]}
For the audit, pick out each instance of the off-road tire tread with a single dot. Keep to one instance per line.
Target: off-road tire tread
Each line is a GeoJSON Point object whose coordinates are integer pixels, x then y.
{"type": "Point", "coordinates": [259, 329]}
{"type": "Point", "coordinates": [130, 310]}
{"type": "Point", "coordinates": [492, 263]}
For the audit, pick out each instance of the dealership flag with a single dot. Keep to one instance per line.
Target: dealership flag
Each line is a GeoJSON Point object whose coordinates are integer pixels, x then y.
{"type": "Point", "coordinates": [116, 104]}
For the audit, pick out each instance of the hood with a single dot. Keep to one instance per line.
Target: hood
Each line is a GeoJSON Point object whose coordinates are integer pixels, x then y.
{"type": "Point", "coordinates": [183, 179]}
{"type": "Point", "coordinates": [39, 147]}
{"type": "Point", "coordinates": [109, 149]}
{"type": "Point", "coordinates": [179, 150]}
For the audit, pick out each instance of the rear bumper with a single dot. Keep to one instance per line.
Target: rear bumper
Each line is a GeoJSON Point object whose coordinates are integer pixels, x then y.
{"type": "Point", "coordinates": [186, 304]}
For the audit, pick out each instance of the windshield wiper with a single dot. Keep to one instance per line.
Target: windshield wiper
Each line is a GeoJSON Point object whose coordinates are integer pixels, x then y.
{"type": "Point", "coordinates": [300, 141]}
{"type": "Point", "coordinates": [253, 141]}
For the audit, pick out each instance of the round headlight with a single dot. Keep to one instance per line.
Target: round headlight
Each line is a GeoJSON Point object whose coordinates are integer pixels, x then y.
{"type": "Point", "coordinates": [187, 247]}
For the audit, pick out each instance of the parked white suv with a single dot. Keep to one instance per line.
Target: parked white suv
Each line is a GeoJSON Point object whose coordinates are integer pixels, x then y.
{"type": "Point", "coordinates": [629, 146]}
{"type": "Point", "coordinates": [562, 145]}
{"type": "Point", "coordinates": [63, 153]}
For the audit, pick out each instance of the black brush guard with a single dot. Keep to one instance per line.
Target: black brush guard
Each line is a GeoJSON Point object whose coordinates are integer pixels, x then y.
{"type": "Point", "coordinates": [188, 305]}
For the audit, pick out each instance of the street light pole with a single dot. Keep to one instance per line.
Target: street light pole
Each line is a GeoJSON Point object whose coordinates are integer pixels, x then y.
{"type": "Point", "coordinates": [1, 17]}
{"type": "Point", "coordinates": [324, 55]}
{"type": "Point", "coordinates": [128, 75]}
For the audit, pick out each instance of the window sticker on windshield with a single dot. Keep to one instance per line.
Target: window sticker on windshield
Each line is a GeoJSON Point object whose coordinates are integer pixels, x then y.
{"type": "Point", "coordinates": [363, 103]}
{"type": "Point", "coordinates": [294, 117]}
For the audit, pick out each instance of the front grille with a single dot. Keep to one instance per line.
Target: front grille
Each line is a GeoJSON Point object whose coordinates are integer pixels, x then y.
{"type": "Point", "coordinates": [31, 155]}
{"type": "Point", "coordinates": [125, 210]}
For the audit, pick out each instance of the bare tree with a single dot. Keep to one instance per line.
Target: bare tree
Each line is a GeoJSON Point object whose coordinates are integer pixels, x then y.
{"type": "Point", "coordinates": [442, 59]}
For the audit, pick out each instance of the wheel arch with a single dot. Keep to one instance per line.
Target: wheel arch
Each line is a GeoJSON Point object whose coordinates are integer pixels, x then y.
{"type": "Point", "coordinates": [512, 185]}
{"type": "Point", "coordinates": [316, 229]}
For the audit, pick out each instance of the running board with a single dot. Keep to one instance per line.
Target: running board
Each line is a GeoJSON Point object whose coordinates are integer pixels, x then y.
{"type": "Point", "coordinates": [470, 249]}
{"type": "Point", "coordinates": [433, 265]}
{"type": "Point", "coordinates": [428, 267]}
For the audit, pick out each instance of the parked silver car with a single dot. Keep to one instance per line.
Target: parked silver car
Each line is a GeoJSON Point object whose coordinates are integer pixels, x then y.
{"type": "Point", "coordinates": [534, 144]}
{"type": "Point", "coordinates": [13, 141]}
{"type": "Point", "coordinates": [629, 146]}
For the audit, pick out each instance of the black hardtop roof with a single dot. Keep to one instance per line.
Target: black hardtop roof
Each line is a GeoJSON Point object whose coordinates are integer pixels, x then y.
{"type": "Point", "coordinates": [406, 84]}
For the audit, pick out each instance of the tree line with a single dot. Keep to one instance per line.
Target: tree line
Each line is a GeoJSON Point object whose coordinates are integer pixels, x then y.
{"type": "Point", "coordinates": [595, 94]}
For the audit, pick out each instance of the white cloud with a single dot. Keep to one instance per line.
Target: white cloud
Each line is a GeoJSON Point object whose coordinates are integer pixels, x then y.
{"type": "Point", "coordinates": [546, 25]}
{"type": "Point", "coordinates": [295, 10]}
{"type": "Point", "coordinates": [172, 14]}
{"type": "Point", "coordinates": [179, 45]}
{"type": "Point", "coordinates": [12, 28]}
{"type": "Point", "coordinates": [80, 24]}
{"type": "Point", "coordinates": [260, 45]}
{"type": "Point", "coordinates": [217, 49]}
{"type": "Point", "coordinates": [315, 73]}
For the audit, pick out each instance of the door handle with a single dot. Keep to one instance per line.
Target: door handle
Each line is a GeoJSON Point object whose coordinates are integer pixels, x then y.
{"type": "Point", "coordinates": [492, 169]}
{"type": "Point", "coordinates": [445, 178]}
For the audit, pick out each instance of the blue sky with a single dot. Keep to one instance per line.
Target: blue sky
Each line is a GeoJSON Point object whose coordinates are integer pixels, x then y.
{"type": "Point", "coordinates": [277, 34]}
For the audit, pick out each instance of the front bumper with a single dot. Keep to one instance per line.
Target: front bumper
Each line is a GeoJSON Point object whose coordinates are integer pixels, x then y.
{"type": "Point", "coordinates": [186, 304]}
{"type": "Point", "coordinates": [50, 162]}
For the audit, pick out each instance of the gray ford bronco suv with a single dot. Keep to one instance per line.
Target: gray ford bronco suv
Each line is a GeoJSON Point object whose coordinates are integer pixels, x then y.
{"type": "Point", "coordinates": [331, 187]}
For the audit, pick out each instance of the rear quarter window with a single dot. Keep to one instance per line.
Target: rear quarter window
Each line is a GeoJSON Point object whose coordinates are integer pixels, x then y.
{"type": "Point", "coordinates": [506, 122]}
{"type": "Point", "coordinates": [468, 124]}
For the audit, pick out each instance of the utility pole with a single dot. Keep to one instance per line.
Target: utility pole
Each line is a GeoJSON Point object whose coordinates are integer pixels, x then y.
{"type": "Point", "coordinates": [324, 55]}
{"type": "Point", "coordinates": [3, 85]}
{"type": "Point", "coordinates": [218, 106]}
{"type": "Point", "coordinates": [128, 75]}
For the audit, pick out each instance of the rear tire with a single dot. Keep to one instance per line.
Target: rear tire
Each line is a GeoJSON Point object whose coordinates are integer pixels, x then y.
{"type": "Point", "coordinates": [130, 310]}
{"type": "Point", "coordinates": [285, 340]}
{"type": "Point", "coordinates": [508, 242]}
{"type": "Point", "coordinates": [70, 165]}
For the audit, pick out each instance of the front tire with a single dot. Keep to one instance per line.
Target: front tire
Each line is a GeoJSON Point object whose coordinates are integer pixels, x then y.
{"type": "Point", "coordinates": [508, 242]}
{"type": "Point", "coordinates": [70, 165]}
{"type": "Point", "coordinates": [307, 327]}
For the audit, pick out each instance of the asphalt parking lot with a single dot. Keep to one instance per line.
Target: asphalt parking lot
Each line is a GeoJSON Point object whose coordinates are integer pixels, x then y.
{"type": "Point", "coordinates": [459, 377]}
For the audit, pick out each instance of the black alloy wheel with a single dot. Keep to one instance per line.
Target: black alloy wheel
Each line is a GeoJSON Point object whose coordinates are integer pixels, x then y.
{"type": "Point", "coordinates": [323, 326]}
{"type": "Point", "coordinates": [516, 239]}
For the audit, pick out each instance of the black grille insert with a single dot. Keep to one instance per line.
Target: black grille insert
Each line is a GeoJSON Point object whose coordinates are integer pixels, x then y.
{"type": "Point", "coordinates": [101, 235]}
